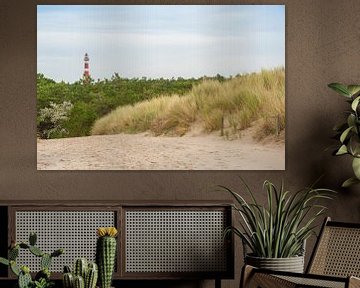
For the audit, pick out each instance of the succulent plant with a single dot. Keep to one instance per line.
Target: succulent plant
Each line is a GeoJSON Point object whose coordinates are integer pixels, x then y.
{"type": "Point", "coordinates": [25, 279]}
{"type": "Point", "coordinates": [42, 283]}
{"type": "Point", "coordinates": [42, 278]}
{"type": "Point", "coordinates": [91, 276]}
{"type": "Point", "coordinates": [79, 282]}
{"type": "Point", "coordinates": [68, 278]}
{"type": "Point", "coordinates": [106, 254]}
{"type": "Point", "coordinates": [85, 275]}
{"type": "Point", "coordinates": [80, 267]}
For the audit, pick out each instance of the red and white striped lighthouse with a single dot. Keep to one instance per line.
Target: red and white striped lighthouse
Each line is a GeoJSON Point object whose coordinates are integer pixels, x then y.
{"type": "Point", "coordinates": [86, 68]}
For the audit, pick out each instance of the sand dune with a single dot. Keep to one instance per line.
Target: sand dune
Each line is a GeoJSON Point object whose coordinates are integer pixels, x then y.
{"type": "Point", "coordinates": [144, 152]}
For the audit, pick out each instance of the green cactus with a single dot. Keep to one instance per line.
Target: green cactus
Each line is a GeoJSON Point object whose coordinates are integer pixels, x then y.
{"type": "Point", "coordinates": [25, 269]}
{"type": "Point", "coordinates": [91, 276]}
{"type": "Point", "coordinates": [87, 272]}
{"type": "Point", "coordinates": [42, 278]}
{"type": "Point", "coordinates": [57, 252]}
{"type": "Point", "coordinates": [36, 251]}
{"type": "Point", "coordinates": [67, 269]}
{"type": "Point", "coordinates": [79, 282]}
{"type": "Point", "coordinates": [80, 267]}
{"type": "Point", "coordinates": [24, 280]}
{"type": "Point", "coordinates": [105, 258]}
{"type": "Point", "coordinates": [14, 268]}
{"type": "Point", "coordinates": [13, 253]}
{"type": "Point", "coordinates": [45, 261]}
{"type": "Point", "coordinates": [68, 280]}
{"type": "Point", "coordinates": [32, 238]}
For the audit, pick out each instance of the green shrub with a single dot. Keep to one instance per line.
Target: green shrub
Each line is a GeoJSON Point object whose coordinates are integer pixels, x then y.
{"type": "Point", "coordinates": [52, 119]}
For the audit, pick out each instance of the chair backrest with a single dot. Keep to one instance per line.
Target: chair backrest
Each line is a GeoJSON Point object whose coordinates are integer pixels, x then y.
{"type": "Point", "coordinates": [337, 251]}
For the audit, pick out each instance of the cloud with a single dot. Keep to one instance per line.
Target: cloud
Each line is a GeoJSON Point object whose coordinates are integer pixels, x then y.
{"type": "Point", "coordinates": [159, 41]}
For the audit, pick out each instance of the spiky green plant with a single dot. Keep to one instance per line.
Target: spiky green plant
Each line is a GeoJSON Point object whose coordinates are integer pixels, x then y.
{"type": "Point", "coordinates": [348, 132]}
{"type": "Point", "coordinates": [84, 274]}
{"type": "Point", "coordinates": [279, 229]}
{"type": "Point", "coordinates": [91, 276]}
{"type": "Point", "coordinates": [79, 282]}
{"type": "Point", "coordinates": [106, 254]}
{"type": "Point", "coordinates": [42, 278]}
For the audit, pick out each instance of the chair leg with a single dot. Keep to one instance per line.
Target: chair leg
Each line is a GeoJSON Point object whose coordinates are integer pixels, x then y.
{"type": "Point", "coordinates": [246, 273]}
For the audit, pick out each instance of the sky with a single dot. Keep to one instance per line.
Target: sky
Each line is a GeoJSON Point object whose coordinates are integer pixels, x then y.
{"type": "Point", "coordinates": [157, 41]}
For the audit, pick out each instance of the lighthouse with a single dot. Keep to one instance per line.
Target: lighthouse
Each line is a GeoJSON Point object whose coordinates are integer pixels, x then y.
{"type": "Point", "coordinates": [86, 74]}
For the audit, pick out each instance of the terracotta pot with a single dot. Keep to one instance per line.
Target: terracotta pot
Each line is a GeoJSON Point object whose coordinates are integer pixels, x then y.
{"type": "Point", "coordinates": [291, 264]}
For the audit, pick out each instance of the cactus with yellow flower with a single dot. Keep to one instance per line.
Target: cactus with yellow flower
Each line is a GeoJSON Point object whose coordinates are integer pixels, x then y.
{"type": "Point", "coordinates": [106, 254]}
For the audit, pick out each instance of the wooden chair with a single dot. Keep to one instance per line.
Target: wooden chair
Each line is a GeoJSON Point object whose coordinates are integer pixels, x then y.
{"type": "Point", "coordinates": [335, 262]}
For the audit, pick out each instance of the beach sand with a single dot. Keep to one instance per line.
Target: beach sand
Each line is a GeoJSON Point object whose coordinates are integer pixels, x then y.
{"type": "Point", "coordinates": [146, 152]}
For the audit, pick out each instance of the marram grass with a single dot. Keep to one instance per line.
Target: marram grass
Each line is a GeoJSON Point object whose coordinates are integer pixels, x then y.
{"type": "Point", "coordinates": [235, 103]}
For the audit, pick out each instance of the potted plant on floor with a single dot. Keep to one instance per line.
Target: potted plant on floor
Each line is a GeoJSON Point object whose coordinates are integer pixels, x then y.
{"type": "Point", "coordinates": [348, 132]}
{"type": "Point", "coordinates": [276, 233]}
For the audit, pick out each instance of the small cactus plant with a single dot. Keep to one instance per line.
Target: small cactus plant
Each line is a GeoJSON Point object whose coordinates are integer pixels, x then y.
{"type": "Point", "coordinates": [79, 282]}
{"type": "Point", "coordinates": [91, 276]}
{"type": "Point", "coordinates": [42, 278]}
{"type": "Point", "coordinates": [106, 254]}
{"type": "Point", "coordinates": [80, 268]}
{"type": "Point", "coordinates": [85, 275]}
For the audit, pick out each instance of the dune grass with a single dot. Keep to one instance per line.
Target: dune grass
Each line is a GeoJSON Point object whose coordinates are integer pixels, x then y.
{"type": "Point", "coordinates": [233, 104]}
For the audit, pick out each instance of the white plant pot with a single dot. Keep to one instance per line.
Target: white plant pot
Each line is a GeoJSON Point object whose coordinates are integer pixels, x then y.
{"type": "Point", "coordinates": [291, 264]}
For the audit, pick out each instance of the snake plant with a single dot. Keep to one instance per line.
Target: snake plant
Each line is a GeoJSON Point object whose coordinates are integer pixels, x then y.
{"type": "Point", "coordinates": [348, 132]}
{"type": "Point", "coordinates": [279, 228]}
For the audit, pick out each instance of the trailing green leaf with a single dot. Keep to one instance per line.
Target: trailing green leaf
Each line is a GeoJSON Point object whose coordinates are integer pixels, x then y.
{"type": "Point", "coordinates": [345, 134]}
{"type": "Point", "coordinates": [349, 182]}
{"type": "Point", "coordinates": [355, 103]}
{"type": "Point", "coordinates": [353, 89]}
{"type": "Point", "coordinates": [356, 167]}
{"type": "Point", "coordinates": [349, 132]}
{"type": "Point", "coordinates": [342, 150]}
{"type": "Point", "coordinates": [340, 88]}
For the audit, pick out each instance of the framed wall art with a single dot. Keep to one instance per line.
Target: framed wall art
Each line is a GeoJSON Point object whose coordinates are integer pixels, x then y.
{"type": "Point", "coordinates": [160, 87]}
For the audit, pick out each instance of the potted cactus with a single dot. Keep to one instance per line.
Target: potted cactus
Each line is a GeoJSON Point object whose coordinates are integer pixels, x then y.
{"type": "Point", "coordinates": [85, 275]}
{"type": "Point", "coordinates": [42, 278]}
{"type": "Point", "coordinates": [106, 254]}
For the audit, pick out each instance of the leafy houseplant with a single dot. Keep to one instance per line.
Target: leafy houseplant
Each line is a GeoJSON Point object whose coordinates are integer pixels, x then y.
{"type": "Point", "coordinates": [279, 229]}
{"type": "Point", "coordinates": [42, 278]}
{"type": "Point", "coordinates": [349, 132]}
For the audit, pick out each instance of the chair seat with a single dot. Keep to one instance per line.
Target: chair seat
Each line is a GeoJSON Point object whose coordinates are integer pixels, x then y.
{"type": "Point", "coordinates": [315, 282]}
{"type": "Point", "coordinates": [267, 279]}
{"type": "Point", "coordinates": [335, 262]}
